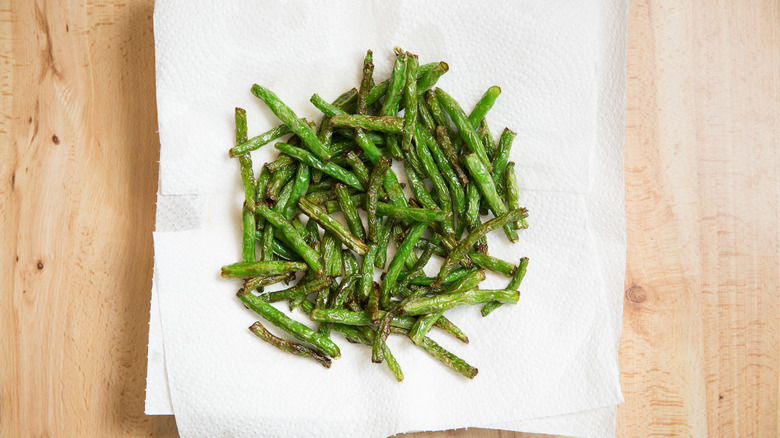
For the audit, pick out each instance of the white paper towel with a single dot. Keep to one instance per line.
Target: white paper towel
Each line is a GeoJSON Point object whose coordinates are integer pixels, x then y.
{"type": "Point", "coordinates": [561, 67]}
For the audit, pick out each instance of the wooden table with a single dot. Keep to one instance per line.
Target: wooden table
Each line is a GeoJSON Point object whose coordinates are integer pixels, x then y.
{"type": "Point", "coordinates": [78, 173]}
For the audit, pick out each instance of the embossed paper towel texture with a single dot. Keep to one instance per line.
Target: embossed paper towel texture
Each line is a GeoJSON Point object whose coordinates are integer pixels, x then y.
{"type": "Point", "coordinates": [546, 57]}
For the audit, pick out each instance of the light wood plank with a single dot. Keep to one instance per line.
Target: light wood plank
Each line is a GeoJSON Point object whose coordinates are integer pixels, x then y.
{"type": "Point", "coordinates": [699, 354]}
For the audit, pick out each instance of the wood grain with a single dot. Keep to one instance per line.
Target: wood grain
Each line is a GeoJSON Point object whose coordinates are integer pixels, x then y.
{"type": "Point", "coordinates": [700, 348]}
{"type": "Point", "coordinates": [700, 353]}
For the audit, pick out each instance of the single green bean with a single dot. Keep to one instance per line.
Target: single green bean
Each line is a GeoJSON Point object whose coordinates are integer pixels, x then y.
{"type": "Point", "coordinates": [399, 260]}
{"type": "Point", "coordinates": [424, 113]}
{"type": "Point", "coordinates": [349, 209]}
{"type": "Point", "coordinates": [254, 269]}
{"type": "Point", "coordinates": [461, 250]}
{"type": "Point", "coordinates": [259, 141]}
{"type": "Point", "coordinates": [281, 250]}
{"type": "Point", "coordinates": [331, 169]}
{"type": "Point", "coordinates": [287, 346]}
{"type": "Point", "coordinates": [465, 128]}
{"type": "Point", "coordinates": [372, 196]}
{"type": "Point", "coordinates": [472, 214]}
{"type": "Point", "coordinates": [260, 188]}
{"type": "Point", "coordinates": [452, 276]}
{"type": "Point", "coordinates": [386, 124]}
{"type": "Point", "coordinates": [441, 303]}
{"type": "Point", "coordinates": [346, 99]}
{"type": "Point", "coordinates": [429, 166]}
{"type": "Point", "coordinates": [367, 273]}
{"type": "Point", "coordinates": [514, 284]}
{"type": "Point", "coordinates": [429, 77]}
{"type": "Point", "coordinates": [296, 125]}
{"type": "Point", "coordinates": [502, 157]}
{"type": "Point", "coordinates": [284, 322]}
{"type": "Point", "coordinates": [278, 180]}
{"type": "Point", "coordinates": [483, 130]}
{"type": "Point", "coordinates": [410, 102]}
{"type": "Point", "coordinates": [466, 283]}
{"type": "Point", "coordinates": [282, 162]}
{"type": "Point", "coordinates": [483, 105]}
{"type": "Point", "coordinates": [350, 263]}
{"type": "Point", "coordinates": [365, 83]}
{"type": "Point", "coordinates": [331, 255]}
{"type": "Point", "coordinates": [487, 188]}
{"type": "Point", "coordinates": [384, 241]}
{"type": "Point", "coordinates": [342, 292]}
{"type": "Point", "coordinates": [257, 283]}
{"type": "Point", "coordinates": [299, 188]}
{"type": "Point", "coordinates": [439, 117]}
{"type": "Point", "coordinates": [453, 182]}
{"type": "Point", "coordinates": [360, 169]}
{"type": "Point", "coordinates": [294, 238]}
{"type": "Point", "coordinates": [494, 264]}
{"type": "Point", "coordinates": [392, 100]}
{"type": "Point", "coordinates": [447, 358]}
{"type": "Point", "coordinates": [412, 214]}
{"type": "Point", "coordinates": [512, 192]}
{"type": "Point", "coordinates": [303, 288]}
{"type": "Point", "coordinates": [332, 226]}
{"type": "Point", "coordinates": [267, 251]}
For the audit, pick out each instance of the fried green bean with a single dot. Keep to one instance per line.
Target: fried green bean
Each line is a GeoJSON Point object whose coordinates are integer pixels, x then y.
{"type": "Point", "coordinates": [287, 346]}
{"type": "Point", "coordinates": [412, 214]}
{"type": "Point", "coordinates": [424, 114]}
{"type": "Point", "coordinates": [365, 83]}
{"type": "Point", "coordinates": [449, 152]}
{"type": "Point", "coordinates": [346, 99]}
{"type": "Point", "coordinates": [447, 358]}
{"type": "Point", "coordinates": [267, 242]}
{"type": "Point", "coordinates": [254, 269]}
{"type": "Point", "coordinates": [410, 102]}
{"type": "Point", "coordinates": [452, 180]}
{"type": "Point", "coordinates": [257, 283]}
{"type": "Point", "coordinates": [384, 241]}
{"type": "Point", "coordinates": [514, 284]}
{"type": "Point", "coordinates": [398, 261]}
{"type": "Point", "coordinates": [367, 273]}
{"type": "Point", "coordinates": [430, 169]}
{"type": "Point", "coordinates": [350, 263]}
{"type": "Point", "coordinates": [487, 188]}
{"type": "Point", "coordinates": [258, 141]}
{"type": "Point", "coordinates": [296, 125]}
{"type": "Point", "coordinates": [282, 251]}
{"type": "Point", "coordinates": [494, 264]}
{"type": "Point", "coordinates": [386, 124]}
{"type": "Point", "coordinates": [472, 215]}
{"type": "Point", "coordinates": [349, 209]}
{"type": "Point", "coordinates": [483, 105]}
{"type": "Point", "coordinates": [441, 303]}
{"type": "Point", "coordinates": [502, 157]}
{"type": "Point", "coordinates": [512, 193]}
{"type": "Point", "coordinates": [465, 128]}
{"type": "Point", "coordinates": [429, 77]}
{"type": "Point", "coordinates": [303, 288]}
{"type": "Point", "coordinates": [392, 100]}
{"type": "Point", "coordinates": [299, 188]}
{"type": "Point", "coordinates": [295, 328]}
{"type": "Point", "coordinates": [360, 169]}
{"type": "Point", "coordinates": [294, 238]}
{"type": "Point", "coordinates": [332, 226]}
{"type": "Point", "coordinates": [372, 196]}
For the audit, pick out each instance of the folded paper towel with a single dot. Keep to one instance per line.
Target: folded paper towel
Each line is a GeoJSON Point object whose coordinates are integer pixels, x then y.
{"type": "Point", "coordinates": [561, 66]}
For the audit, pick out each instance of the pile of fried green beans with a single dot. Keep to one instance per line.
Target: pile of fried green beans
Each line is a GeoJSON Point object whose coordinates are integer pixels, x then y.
{"type": "Point", "coordinates": [344, 165]}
